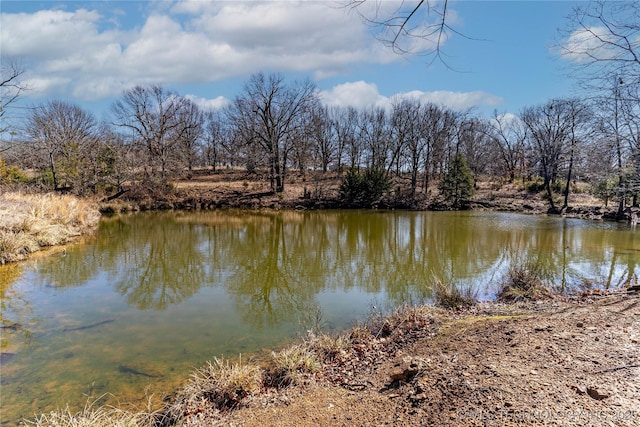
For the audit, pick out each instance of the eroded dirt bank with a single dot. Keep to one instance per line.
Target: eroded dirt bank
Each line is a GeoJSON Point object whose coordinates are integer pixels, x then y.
{"type": "Point", "coordinates": [566, 363]}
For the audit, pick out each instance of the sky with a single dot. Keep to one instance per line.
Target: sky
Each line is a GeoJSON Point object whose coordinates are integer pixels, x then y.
{"type": "Point", "coordinates": [500, 57]}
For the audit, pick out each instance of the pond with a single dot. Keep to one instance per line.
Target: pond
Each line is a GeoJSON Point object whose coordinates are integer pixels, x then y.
{"type": "Point", "coordinates": [130, 312]}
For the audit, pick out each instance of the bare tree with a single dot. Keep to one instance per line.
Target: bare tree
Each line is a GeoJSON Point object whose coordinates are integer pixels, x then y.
{"type": "Point", "coordinates": [406, 132]}
{"type": "Point", "coordinates": [603, 38]}
{"type": "Point", "coordinates": [152, 116]}
{"type": "Point", "coordinates": [219, 146]}
{"type": "Point", "coordinates": [11, 87]}
{"type": "Point", "coordinates": [301, 143]}
{"type": "Point", "coordinates": [62, 136]}
{"type": "Point", "coordinates": [549, 126]}
{"type": "Point", "coordinates": [475, 145]}
{"type": "Point", "coordinates": [374, 132]}
{"type": "Point", "coordinates": [189, 133]}
{"type": "Point", "coordinates": [115, 160]}
{"type": "Point", "coordinates": [509, 135]}
{"type": "Point", "coordinates": [268, 113]}
{"type": "Point", "coordinates": [579, 130]}
{"type": "Point", "coordinates": [323, 137]}
{"type": "Point", "coordinates": [345, 125]}
{"type": "Point", "coordinates": [438, 128]}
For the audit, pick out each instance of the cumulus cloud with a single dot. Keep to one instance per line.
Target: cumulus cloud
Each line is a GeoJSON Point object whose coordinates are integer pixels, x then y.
{"type": "Point", "coordinates": [209, 104]}
{"type": "Point", "coordinates": [91, 54]}
{"type": "Point", "coordinates": [358, 94]}
{"type": "Point", "coordinates": [362, 94]}
{"type": "Point", "coordinates": [190, 42]}
{"type": "Point", "coordinates": [591, 44]}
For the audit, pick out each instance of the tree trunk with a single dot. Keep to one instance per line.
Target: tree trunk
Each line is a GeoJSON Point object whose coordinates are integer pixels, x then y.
{"type": "Point", "coordinates": [566, 188]}
{"type": "Point", "coordinates": [53, 171]}
{"type": "Point", "coordinates": [547, 186]}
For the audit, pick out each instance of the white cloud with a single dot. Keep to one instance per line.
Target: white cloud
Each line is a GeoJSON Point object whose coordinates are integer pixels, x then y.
{"type": "Point", "coordinates": [362, 94]}
{"type": "Point", "coordinates": [192, 42]}
{"type": "Point", "coordinates": [209, 104]}
{"type": "Point", "coordinates": [43, 86]}
{"type": "Point", "coordinates": [48, 34]}
{"type": "Point", "coordinates": [89, 56]}
{"type": "Point", "coordinates": [591, 44]}
{"type": "Point", "coordinates": [358, 94]}
{"type": "Point", "coordinates": [456, 100]}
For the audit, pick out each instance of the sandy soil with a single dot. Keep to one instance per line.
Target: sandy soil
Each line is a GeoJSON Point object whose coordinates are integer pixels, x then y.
{"type": "Point", "coordinates": [564, 363]}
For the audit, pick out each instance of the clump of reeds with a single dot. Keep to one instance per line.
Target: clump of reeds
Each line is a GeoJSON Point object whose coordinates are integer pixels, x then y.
{"type": "Point", "coordinates": [522, 282]}
{"type": "Point", "coordinates": [450, 296]}
{"type": "Point", "coordinates": [29, 222]}
{"type": "Point", "coordinates": [329, 347]}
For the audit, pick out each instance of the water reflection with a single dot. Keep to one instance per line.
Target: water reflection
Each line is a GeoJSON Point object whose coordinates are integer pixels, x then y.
{"type": "Point", "coordinates": [170, 290]}
{"type": "Point", "coordinates": [274, 263]}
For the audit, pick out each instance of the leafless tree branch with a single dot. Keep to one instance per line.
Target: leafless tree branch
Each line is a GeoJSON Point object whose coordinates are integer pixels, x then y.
{"type": "Point", "coordinates": [407, 29]}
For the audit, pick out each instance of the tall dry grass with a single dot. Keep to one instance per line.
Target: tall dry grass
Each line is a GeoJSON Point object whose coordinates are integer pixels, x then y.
{"type": "Point", "coordinates": [96, 415]}
{"type": "Point", "coordinates": [29, 222]}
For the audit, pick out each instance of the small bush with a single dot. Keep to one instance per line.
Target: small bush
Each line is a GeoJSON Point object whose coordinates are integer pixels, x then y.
{"type": "Point", "coordinates": [11, 174]}
{"type": "Point", "coordinates": [364, 189]}
{"type": "Point", "coordinates": [522, 282]}
{"type": "Point", "coordinates": [535, 186]}
{"type": "Point", "coordinates": [452, 297]}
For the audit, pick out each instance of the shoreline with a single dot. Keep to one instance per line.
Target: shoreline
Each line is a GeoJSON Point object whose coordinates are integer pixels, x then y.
{"type": "Point", "coordinates": [239, 190]}
{"type": "Point", "coordinates": [569, 360]}
{"type": "Point", "coordinates": [356, 365]}
{"type": "Point", "coordinates": [30, 223]}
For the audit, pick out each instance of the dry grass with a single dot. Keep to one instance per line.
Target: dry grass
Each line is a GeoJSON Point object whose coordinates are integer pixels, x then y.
{"type": "Point", "coordinates": [29, 222]}
{"type": "Point", "coordinates": [328, 347]}
{"type": "Point", "coordinates": [522, 282]}
{"type": "Point", "coordinates": [96, 416]}
{"type": "Point", "coordinates": [452, 297]}
{"type": "Point", "coordinates": [219, 386]}
{"type": "Point", "coordinates": [290, 364]}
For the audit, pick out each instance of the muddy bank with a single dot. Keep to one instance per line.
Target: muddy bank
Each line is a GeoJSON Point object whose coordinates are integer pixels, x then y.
{"type": "Point", "coordinates": [245, 191]}
{"type": "Point", "coordinates": [561, 362]}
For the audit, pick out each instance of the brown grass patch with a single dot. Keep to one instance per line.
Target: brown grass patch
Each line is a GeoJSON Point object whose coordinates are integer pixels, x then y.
{"type": "Point", "coordinates": [29, 222]}
{"type": "Point", "coordinates": [522, 282]}
{"type": "Point", "coordinates": [452, 297]}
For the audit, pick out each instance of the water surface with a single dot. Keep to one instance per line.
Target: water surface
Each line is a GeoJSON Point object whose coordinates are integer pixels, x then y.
{"type": "Point", "coordinates": [133, 310]}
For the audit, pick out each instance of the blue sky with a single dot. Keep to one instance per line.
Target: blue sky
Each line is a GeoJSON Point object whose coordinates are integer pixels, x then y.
{"type": "Point", "coordinates": [88, 52]}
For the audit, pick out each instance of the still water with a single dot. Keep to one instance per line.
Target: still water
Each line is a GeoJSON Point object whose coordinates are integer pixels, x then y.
{"type": "Point", "coordinates": [130, 312]}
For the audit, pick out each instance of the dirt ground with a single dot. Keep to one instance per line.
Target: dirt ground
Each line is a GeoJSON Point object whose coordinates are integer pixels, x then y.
{"type": "Point", "coordinates": [320, 190]}
{"type": "Point", "coordinates": [559, 362]}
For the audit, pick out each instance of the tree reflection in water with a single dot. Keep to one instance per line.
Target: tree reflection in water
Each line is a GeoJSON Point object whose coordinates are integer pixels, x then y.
{"type": "Point", "coordinates": [275, 264]}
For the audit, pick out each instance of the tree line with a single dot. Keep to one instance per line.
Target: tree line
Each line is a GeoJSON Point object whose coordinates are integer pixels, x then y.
{"type": "Point", "coordinates": [154, 135]}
